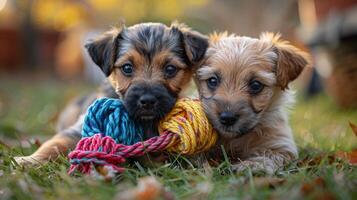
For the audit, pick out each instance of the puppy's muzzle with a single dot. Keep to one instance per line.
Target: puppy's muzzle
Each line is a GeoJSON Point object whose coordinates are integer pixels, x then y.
{"type": "Point", "coordinates": [228, 118]}
{"type": "Point", "coordinates": [147, 101]}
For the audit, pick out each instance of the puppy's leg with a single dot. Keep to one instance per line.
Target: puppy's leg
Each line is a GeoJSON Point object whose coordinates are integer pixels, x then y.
{"type": "Point", "coordinates": [59, 144]}
{"type": "Point", "coordinates": [268, 163]}
{"type": "Point", "coordinates": [267, 160]}
{"type": "Point", "coordinates": [69, 129]}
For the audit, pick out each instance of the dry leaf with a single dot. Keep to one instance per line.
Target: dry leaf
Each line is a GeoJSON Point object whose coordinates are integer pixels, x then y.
{"type": "Point", "coordinates": [271, 182]}
{"type": "Point", "coordinates": [149, 188]}
{"type": "Point", "coordinates": [316, 160]}
{"type": "Point", "coordinates": [37, 142]}
{"type": "Point", "coordinates": [106, 173]}
{"type": "Point", "coordinates": [354, 128]}
{"type": "Point", "coordinates": [351, 157]}
{"type": "Point", "coordinates": [316, 189]}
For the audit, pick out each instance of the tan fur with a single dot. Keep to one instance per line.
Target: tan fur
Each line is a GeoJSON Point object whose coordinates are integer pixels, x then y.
{"type": "Point", "coordinates": [68, 117]}
{"type": "Point", "coordinates": [151, 72]}
{"type": "Point", "coordinates": [291, 60]}
{"type": "Point", "coordinates": [50, 150]}
{"type": "Point", "coordinates": [269, 145]}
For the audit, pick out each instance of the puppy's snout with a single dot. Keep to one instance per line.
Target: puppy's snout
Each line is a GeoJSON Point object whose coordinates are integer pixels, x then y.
{"type": "Point", "coordinates": [147, 101]}
{"type": "Point", "coordinates": [228, 118]}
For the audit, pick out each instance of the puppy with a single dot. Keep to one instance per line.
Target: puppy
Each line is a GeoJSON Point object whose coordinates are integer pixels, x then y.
{"type": "Point", "coordinates": [148, 66]}
{"type": "Point", "coordinates": [243, 86]}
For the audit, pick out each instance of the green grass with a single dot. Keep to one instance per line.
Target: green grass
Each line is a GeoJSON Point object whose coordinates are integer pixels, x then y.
{"type": "Point", "coordinates": [28, 109]}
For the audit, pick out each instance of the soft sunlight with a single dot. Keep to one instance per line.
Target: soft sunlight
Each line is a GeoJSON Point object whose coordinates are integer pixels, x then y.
{"type": "Point", "coordinates": [2, 4]}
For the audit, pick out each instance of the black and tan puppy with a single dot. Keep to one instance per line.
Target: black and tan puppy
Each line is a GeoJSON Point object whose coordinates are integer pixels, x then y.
{"type": "Point", "coordinates": [148, 66]}
{"type": "Point", "coordinates": [243, 86]}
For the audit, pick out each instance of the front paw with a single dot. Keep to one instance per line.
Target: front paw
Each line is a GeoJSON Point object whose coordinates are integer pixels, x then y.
{"type": "Point", "coordinates": [29, 161]}
{"type": "Point", "coordinates": [254, 166]}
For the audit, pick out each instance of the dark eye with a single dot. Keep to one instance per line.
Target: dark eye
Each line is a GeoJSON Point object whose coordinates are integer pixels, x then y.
{"type": "Point", "coordinates": [170, 71]}
{"type": "Point", "coordinates": [212, 82]}
{"type": "Point", "coordinates": [255, 87]}
{"type": "Point", "coordinates": [127, 69]}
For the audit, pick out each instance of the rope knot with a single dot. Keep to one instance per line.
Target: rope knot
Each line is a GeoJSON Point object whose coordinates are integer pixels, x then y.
{"type": "Point", "coordinates": [189, 122]}
{"type": "Point", "coordinates": [109, 117]}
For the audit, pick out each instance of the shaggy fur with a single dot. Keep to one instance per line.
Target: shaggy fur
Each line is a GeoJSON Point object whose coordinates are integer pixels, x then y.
{"type": "Point", "coordinates": [148, 66]}
{"type": "Point", "coordinates": [252, 124]}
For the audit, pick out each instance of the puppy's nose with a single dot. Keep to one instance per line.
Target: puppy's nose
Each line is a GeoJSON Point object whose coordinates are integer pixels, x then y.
{"type": "Point", "coordinates": [227, 118]}
{"type": "Point", "coordinates": [147, 101]}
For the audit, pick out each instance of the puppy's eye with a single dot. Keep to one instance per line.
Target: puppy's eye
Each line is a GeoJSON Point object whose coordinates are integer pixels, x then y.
{"type": "Point", "coordinates": [255, 87]}
{"type": "Point", "coordinates": [170, 71]}
{"type": "Point", "coordinates": [212, 82]}
{"type": "Point", "coordinates": [127, 69]}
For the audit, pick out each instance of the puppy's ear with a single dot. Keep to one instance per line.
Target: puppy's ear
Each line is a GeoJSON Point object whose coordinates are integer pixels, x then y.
{"type": "Point", "coordinates": [103, 50]}
{"type": "Point", "coordinates": [195, 43]}
{"type": "Point", "coordinates": [290, 60]}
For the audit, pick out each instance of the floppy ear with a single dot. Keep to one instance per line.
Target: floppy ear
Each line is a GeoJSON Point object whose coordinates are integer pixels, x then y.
{"type": "Point", "coordinates": [103, 50]}
{"type": "Point", "coordinates": [195, 43]}
{"type": "Point", "coordinates": [290, 60]}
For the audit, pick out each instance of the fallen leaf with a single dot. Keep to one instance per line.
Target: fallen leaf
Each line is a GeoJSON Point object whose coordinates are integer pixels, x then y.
{"type": "Point", "coordinates": [148, 188]}
{"type": "Point", "coordinates": [319, 181]}
{"type": "Point", "coordinates": [354, 128]}
{"type": "Point", "coordinates": [351, 157]}
{"type": "Point", "coordinates": [106, 173]}
{"type": "Point", "coordinates": [317, 159]}
{"type": "Point", "coordinates": [306, 188]}
{"type": "Point", "coordinates": [316, 189]}
{"type": "Point", "coordinates": [37, 142]}
{"type": "Point", "coordinates": [270, 182]}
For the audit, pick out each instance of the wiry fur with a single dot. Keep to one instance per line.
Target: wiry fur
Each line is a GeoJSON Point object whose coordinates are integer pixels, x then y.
{"type": "Point", "coordinates": [149, 48]}
{"type": "Point", "coordinates": [261, 138]}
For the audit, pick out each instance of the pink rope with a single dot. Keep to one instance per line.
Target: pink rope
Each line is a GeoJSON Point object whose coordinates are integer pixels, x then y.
{"type": "Point", "coordinates": [99, 150]}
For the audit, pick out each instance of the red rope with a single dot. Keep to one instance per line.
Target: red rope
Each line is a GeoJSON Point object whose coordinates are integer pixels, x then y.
{"type": "Point", "coordinates": [99, 150]}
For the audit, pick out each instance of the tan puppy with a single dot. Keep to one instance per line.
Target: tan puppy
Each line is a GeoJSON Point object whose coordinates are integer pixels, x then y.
{"type": "Point", "coordinates": [243, 86]}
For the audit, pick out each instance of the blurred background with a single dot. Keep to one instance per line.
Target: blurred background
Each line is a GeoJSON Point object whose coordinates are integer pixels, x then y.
{"type": "Point", "coordinates": [43, 63]}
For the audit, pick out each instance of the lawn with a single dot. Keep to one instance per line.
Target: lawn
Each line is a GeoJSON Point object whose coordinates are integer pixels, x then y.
{"type": "Point", "coordinates": [28, 111]}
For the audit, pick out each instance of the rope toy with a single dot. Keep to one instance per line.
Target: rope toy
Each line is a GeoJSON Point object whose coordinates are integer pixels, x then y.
{"type": "Point", "coordinates": [110, 136]}
{"type": "Point", "coordinates": [109, 117]}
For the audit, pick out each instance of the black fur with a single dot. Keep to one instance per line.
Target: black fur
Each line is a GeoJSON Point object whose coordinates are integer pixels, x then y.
{"type": "Point", "coordinates": [196, 44]}
{"type": "Point", "coordinates": [165, 101]}
{"type": "Point", "coordinates": [101, 53]}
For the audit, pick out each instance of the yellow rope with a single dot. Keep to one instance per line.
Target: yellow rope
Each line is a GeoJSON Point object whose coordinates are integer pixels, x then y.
{"type": "Point", "coordinates": [189, 122]}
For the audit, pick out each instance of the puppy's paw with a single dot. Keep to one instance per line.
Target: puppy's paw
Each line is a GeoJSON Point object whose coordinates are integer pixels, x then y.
{"type": "Point", "coordinates": [29, 161]}
{"type": "Point", "coordinates": [254, 166]}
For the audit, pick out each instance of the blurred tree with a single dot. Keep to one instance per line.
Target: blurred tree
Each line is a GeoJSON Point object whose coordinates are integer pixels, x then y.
{"type": "Point", "coordinates": [59, 15]}
{"type": "Point", "coordinates": [29, 33]}
{"type": "Point", "coordinates": [64, 14]}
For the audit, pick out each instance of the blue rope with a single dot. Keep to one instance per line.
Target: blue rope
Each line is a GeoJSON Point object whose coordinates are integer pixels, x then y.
{"type": "Point", "coordinates": [109, 117]}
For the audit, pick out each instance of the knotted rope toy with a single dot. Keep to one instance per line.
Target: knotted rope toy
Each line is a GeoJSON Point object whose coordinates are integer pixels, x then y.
{"type": "Point", "coordinates": [110, 136]}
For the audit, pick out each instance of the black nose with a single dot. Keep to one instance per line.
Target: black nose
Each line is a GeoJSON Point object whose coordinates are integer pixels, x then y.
{"type": "Point", "coordinates": [227, 118]}
{"type": "Point", "coordinates": [147, 101]}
